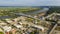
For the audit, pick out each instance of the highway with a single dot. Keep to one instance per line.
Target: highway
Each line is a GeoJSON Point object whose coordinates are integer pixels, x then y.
{"type": "Point", "coordinates": [27, 15]}
{"type": "Point", "coordinates": [21, 14]}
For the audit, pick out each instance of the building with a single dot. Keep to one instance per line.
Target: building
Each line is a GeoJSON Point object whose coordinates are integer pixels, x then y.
{"type": "Point", "coordinates": [39, 27]}
{"type": "Point", "coordinates": [7, 29]}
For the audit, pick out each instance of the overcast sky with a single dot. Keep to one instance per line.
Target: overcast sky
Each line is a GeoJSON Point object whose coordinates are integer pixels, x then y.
{"type": "Point", "coordinates": [29, 2]}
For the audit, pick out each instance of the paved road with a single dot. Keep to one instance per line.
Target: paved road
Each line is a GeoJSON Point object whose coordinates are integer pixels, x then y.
{"type": "Point", "coordinates": [51, 31]}
{"type": "Point", "coordinates": [21, 14]}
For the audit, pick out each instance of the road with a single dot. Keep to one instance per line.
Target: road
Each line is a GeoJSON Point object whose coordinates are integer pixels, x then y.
{"type": "Point", "coordinates": [51, 31]}
{"type": "Point", "coordinates": [21, 14]}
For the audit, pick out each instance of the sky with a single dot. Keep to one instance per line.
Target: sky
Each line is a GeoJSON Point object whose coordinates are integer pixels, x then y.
{"type": "Point", "coordinates": [29, 2]}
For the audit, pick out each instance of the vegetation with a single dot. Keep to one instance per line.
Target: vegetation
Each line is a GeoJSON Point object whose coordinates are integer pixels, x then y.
{"type": "Point", "coordinates": [35, 32]}
{"type": "Point", "coordinates": [54, 9]}
{"type": "Point", "coordinates": [29, 19]}
{"type": "Point", "coordinates": [1, 33]}
{"type": "Point", "coordinates": [10, 11]}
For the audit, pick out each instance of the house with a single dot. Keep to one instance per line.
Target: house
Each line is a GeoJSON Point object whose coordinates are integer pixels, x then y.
{"type": "Point", "coordinates": [38, 27]}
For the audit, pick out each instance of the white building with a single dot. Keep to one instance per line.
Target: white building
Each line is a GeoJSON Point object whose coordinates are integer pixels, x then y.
{"type": "Point", "coordinates": [18, 26]}
{"type": "Point", "coordinates": [39, 27]}
{"type": "Point", "coordinates": [7, 28]}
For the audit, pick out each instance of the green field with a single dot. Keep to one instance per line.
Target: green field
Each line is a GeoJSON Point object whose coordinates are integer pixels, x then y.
{"type": "Point", "coordinates": [1, 33]}
{"type": "Point", "coordinates": [10, 11]}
